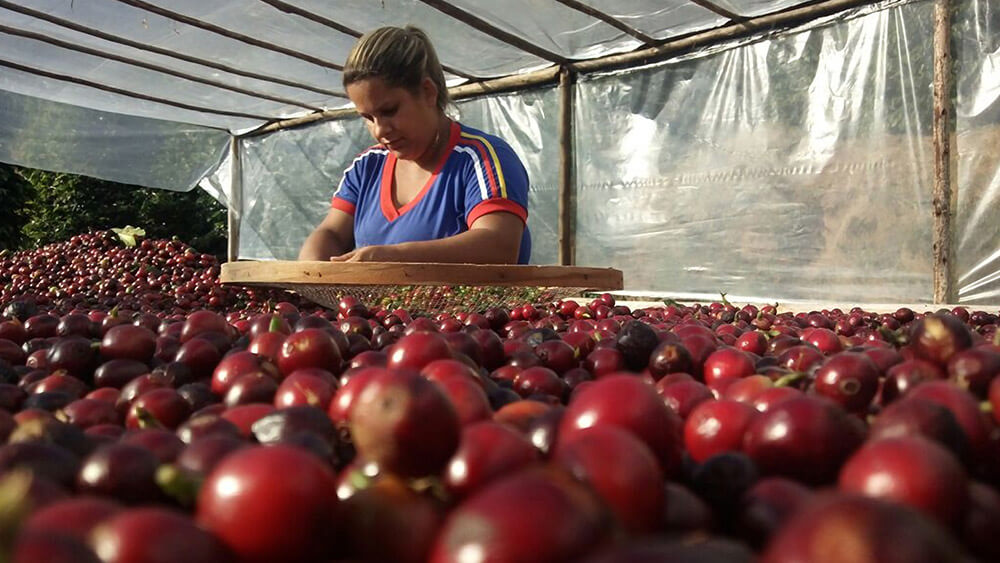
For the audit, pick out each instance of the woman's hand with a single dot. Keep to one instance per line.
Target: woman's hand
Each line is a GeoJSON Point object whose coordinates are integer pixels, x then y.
{"type": "Point", "coordinates": [494, 238]}
{"type": "Point", "coordinates": [374, 253]}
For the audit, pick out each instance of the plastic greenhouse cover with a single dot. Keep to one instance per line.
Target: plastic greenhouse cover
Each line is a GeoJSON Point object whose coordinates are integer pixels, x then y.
{"type": "Point", "coordinates": [661, 18]}
{"type": "Point", "coordinates": [789, 166]}
{"type": "Point", "coordinates": [103, 134]}
{"type": "Point", "coordinates": [977, 39]}
{"type": "Point", "coordinates": [112, 146]}
{"type": "Point", "coordinates": [796, 167]}
{"type": "Point", "coordinates": [751, 8]}
{"type": "Point", "coordinates": [780, 167]}
{"type": "Point", "coordinates": [251, 18]}
{"type": "Point", "coordinates": [547, 23]}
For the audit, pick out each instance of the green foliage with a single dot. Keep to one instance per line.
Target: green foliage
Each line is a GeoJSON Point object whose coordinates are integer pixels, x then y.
{"type": "Point", "coordinates": [63, 205]}
{"type": "Point", "coordinates": [194, 217]}
{"type": "Point", "coordinates": [14, 194]}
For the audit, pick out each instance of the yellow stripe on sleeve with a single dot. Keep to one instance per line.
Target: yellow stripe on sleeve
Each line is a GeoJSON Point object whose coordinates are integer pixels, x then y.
{"type": "Point", "coordinates": [496, 160]}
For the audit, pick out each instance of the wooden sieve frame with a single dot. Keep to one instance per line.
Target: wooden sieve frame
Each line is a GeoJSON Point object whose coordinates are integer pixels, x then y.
{"type": "Point", "coordinates": [430, 287]}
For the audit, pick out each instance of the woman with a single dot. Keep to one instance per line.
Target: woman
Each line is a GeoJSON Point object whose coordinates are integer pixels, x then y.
{"type": "Point", "coordinates": [432, 190]}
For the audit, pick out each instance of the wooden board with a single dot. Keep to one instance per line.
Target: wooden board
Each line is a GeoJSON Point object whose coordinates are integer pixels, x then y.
{"type": "Point", "coordinates": [293, 273]}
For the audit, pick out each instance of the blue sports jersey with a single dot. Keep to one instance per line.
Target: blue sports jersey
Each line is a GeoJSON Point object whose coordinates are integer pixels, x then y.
{"type": "Point", "coordinates": [480, 174]}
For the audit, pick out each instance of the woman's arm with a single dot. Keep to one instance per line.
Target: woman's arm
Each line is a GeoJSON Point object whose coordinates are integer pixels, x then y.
{"type": "Point", "coordinates": [494, 238]}
{"type": "Point", "coordinates": [333, 237]}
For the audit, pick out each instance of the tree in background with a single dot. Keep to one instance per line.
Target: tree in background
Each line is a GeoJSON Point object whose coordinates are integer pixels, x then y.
{"type": "Point", "coordinates": [15, 192]}
{"type": "Point", "coordinates": [61, 205]}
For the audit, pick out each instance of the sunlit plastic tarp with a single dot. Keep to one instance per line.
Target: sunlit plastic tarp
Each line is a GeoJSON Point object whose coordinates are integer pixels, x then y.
{"type": "Point", "coordinates": [795, 167]}
{"type": "Point", "coordinates": [271, 63]}
{"type": "Point", "coordinates": [246, 17]}
{"type": "Point", "coordinates": [667, 18]}
{"type": "Point", "coordinates": [977, 218]}
{"type": "Point", "coordinates": [133, 150]}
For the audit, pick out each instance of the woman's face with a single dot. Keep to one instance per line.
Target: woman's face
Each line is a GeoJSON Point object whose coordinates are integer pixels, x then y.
{"type": "Point", "coordinates": [405, 122]}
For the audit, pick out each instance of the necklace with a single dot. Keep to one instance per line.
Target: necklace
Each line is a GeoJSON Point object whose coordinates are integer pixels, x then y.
{"type": "Point", "coordinates": [437, 136]}
{"type": "Point", "coordinates": [436, 144]}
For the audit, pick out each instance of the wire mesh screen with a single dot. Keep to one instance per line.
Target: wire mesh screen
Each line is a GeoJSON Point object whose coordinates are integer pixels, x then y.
{"type": "Point", "coordinates": [431, 298]}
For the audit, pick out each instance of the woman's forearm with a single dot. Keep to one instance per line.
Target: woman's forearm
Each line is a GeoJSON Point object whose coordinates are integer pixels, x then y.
{"type": "Point", "coordinates": [471, 247]}
{"type": "Point", "coordinates": [321, 244]}
{"type": "Point", "coordinates": [493, 239]}
{"type": "Point", "coordinates": [478, 246]}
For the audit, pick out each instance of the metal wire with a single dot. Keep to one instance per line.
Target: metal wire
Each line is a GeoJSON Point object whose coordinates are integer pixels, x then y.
{"type": "Point", "coordinates": [431, 298]}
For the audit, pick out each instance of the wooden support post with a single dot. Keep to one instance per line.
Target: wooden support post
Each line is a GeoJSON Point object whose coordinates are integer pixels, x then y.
{"type": "Point", "coordinates": [567, 196]}
{"type": "Point", "coordinates": [944, 278]}
{"type": "Point", "coordinates": [235, 198]}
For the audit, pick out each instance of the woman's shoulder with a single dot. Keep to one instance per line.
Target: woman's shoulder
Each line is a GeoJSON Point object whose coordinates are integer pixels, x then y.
{"type": "Point", "coordinates": [486, 144]}
{"type": "Point", "coordinates": [471, 134]}
{"type": "Point", "coordinates": [372, 156]}
{"type": "Point", "coordinates": [374, 151]}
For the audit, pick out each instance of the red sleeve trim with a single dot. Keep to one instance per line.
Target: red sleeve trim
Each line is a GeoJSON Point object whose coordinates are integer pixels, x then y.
{"type": "Point", "coordinates": [494, 205]}
{"type": "Point", "coordinates": [343, 205]}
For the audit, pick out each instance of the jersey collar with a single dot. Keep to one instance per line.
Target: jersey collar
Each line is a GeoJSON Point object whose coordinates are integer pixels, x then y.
{"type": "Point", "coordinates": [389, 210]}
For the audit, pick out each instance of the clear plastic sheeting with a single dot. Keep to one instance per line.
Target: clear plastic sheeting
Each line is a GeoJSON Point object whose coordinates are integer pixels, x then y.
{"type": "Point", "coordinates": [578, 35]}
{"type": "Point", "coordinates": [794, 167]}
{"type": "Point", "coordinates": [753, 8]}
{"type": "Point", "coordinates": [288, 180]}
{"type": "Point", "coordinates": [269, 63]}
{"type": "Point", "coordinates": [458, 45]}
{"type": "Point", "coordinates": [254, 19]}
{"type": "Point", "coordinates": [290, 176]}
{"type": "Point", "coordinates": [41, 134]}
{"type": "Point", "coordinates": [977, 215]}
{"type": "Point", "coordinates": [55, 91]}
{"type": "Point", "coordinates": [132, 78]}
{"type": "Point", "coordinates": [660, 18]}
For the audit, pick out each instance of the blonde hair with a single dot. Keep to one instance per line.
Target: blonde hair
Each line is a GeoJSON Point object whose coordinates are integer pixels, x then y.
{"type": "Point", "coordinates": [400, 56]}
